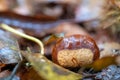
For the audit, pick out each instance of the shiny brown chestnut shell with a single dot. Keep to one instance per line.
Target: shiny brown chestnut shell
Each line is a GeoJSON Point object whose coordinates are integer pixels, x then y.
{"type": "Point", "coordinates": [75, 42]}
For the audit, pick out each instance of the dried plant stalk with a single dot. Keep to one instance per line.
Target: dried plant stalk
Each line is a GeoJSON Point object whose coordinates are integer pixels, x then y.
{"type": "Point", "coordinates": [10, 29]}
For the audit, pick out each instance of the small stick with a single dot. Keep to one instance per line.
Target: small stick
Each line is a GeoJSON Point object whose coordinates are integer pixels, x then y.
{"type": "Point", "coordinates": [14, 71]}
{"type": "Point", "coordinates": [11, 76]}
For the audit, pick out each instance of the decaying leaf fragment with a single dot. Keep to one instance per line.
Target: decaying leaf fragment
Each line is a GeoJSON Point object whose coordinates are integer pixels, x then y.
{"type": "Point", "coordinates": [49, 70]}
{"type": "Point", "coordinates": [53, 38]}
{"type": "Point", "coordinates": [103, 63]}
{"type": "Point", "coordinates": [9, 50]}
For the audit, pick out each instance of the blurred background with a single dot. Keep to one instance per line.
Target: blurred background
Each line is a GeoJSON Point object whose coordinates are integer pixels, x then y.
{"type": "Point", "coordinates": [99, 19]}
{"type": "Point", "coordinates": [60, 9]}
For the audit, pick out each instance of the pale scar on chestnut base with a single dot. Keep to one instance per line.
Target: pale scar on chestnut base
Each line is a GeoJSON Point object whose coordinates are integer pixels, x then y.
{"type": "Point", "coordinates": [75, 58]}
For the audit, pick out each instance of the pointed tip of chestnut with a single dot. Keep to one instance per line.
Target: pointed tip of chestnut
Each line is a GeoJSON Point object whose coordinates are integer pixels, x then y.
{"type": "Point", "coordinates": [75, 50]}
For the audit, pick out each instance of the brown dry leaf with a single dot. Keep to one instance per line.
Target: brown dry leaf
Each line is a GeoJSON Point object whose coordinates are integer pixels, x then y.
{"type": "Point", "coordinates": [52, 38]}
{"type": "Point", "coordinates": [3, 5]}
{"type": "Point", "coordinates": [70, 29]}
{"type": "Point", "coordinates": [110, 49]}
{"type": "Point", "coordinates": [1, 66]}
{"type": "Point", "coordinates": [116, 2]}
{"type": "Point", "coordinates": [111, 17]}
{"type": "Point", "coordinates": [103, 63]}
{"type": "Point", "coordinates": [4, 73]}
{"type": "Point", "coordinates": [59, 1]}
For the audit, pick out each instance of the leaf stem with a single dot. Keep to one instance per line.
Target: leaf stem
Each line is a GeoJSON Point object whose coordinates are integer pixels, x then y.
{"type": "Point", "coordinates": [10, 29]}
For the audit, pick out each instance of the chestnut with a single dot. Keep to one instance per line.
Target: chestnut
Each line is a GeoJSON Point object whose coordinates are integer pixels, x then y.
{"type": "Point", "coordinates": [75, 51]}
